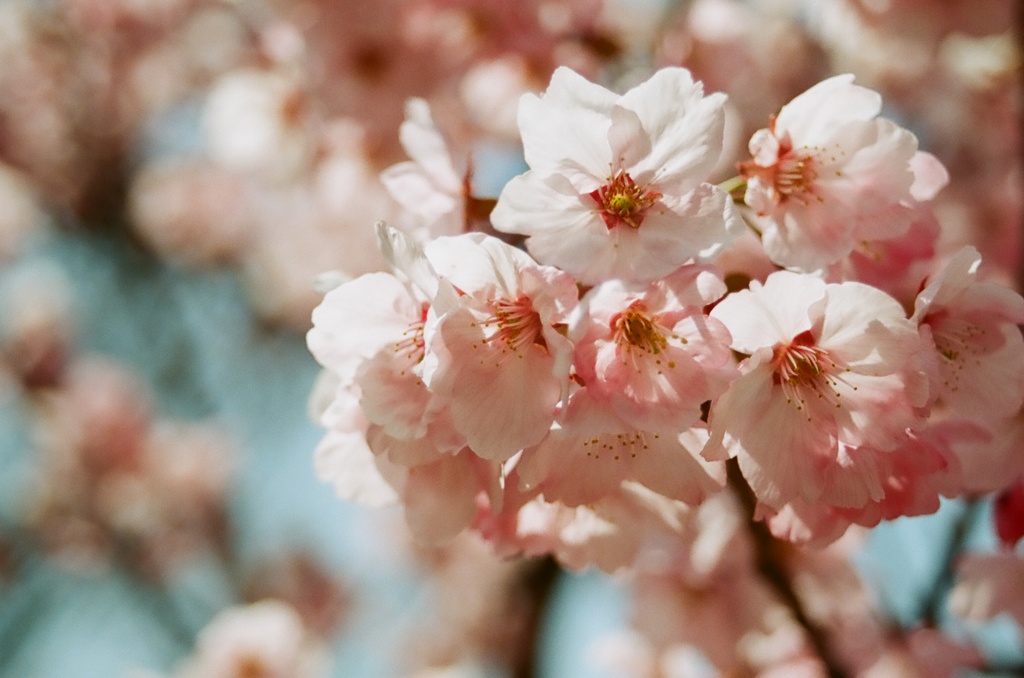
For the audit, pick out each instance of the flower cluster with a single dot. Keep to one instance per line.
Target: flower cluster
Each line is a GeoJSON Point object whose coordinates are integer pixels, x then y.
{"type": "Point", "coordinates": [582, 396]}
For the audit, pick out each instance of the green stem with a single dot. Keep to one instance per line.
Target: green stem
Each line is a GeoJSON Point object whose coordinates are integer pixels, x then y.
{"type": "Point", "coordinates": [735, 187]}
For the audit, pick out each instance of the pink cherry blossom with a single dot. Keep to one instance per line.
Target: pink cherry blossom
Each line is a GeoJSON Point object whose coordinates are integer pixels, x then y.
{"type": "Point", "coordinates": [192, 212]}
{"type": "Point", "coordinates": [831, 365]}
{"type": "Point", "coordinates": [440, 493]}
{"type": "Point", "coordinates": [592, 452]}
{"type": "Point", "coordinates": [828, 173]}
{"type": "Point", "coordinates": [256, 121]}
{"type": "Point", "coordinates": [620, 530]}
{"type": "Point", "coordinates": [734, 618]}
{"type": "Point", "coordinates": [974, 327]}
{"type": "Point", "coordinates": [443, 497]}
{"type": "Point", "coordinates": [343, 459]}
{"type": "Point", "coordinates": [895, 265]}
{"type": "Point", "coordinates": [495, 348]}
{"type": "Point", "coordinates": [369, 333]}
{"type": "Point", "coordinates": [358, 319]}
{"type": "Point", "coordinates": [868, 486]}
{"type": "Point", "coordinates": [616, 186]}
{"type": "Point", "coordinates": [650, 352]}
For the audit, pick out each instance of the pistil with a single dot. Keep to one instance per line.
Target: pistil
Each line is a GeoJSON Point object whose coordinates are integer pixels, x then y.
{"type": "Point", "coordinates": [622, 202]}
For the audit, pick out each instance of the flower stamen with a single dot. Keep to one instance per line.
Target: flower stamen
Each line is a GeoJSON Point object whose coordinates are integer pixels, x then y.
{"type": "Point", "coordinates": [634, 327]}
{"type": "Point", "coordinates": [621, 201]}
{"type": "Point", "coordinates": [791, 177]}
{"type": "Point", "coordinates": [412, 344]}
{"type": "Point", "coordinates": [802, 369]}
{"type": "Point", "coordinates": [517, 323]}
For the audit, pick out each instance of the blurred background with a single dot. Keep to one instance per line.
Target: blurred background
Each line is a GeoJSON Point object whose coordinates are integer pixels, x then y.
{"type": "Point", "coordinates": [178, 178]}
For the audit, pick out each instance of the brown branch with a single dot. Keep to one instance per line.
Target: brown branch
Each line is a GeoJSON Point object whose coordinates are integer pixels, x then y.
{"type": "Point", "coordinates": [537, 582]}
{"type": "Point", "coordinates": [771, 565]}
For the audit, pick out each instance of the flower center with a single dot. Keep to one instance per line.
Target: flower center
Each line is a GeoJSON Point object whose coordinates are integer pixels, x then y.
{"type": "Point", "coordinates": [634, 327]}
{"type": "Point", "coordinates": [621, 201]}
{"type": "Point", "coordinates": [517, 323]}
{"type": "Point", "coordinates": [792, 176]}
{"type": "Point", "coordinates": [802, 369]}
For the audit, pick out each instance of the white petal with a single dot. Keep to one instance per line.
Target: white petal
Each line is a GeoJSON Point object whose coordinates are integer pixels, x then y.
{"type": "Point", "coordinates": [406, 255]}
{"type": "Point", "coordinates": [685, 129]}
{"type": "Point", "coordinates": [569, 122]}
{"type": "Point", "coordinates": [774, 313]}
{"type": "Point", "coordinates": [852, 309]}
{"type": "Point", "coordinates": [565, 228]}
{"type": "Point", "coordinates": [930, 176]}
{"type": "Point", "coordinates": [812, 117]}
{"type": "Point", "coordinates": [344, 460]}
{"type": "Point", "coordinates": [423, 142]}
{"type": "Point", "coordinates": [474, 261]}
{"type": "Point", "coordinates": [415, 191]}
{"type": "Point", "coordinates": [357, 319]}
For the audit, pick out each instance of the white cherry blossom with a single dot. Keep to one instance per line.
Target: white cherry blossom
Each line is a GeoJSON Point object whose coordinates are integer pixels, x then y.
{"type": "Point", "coordinates": [267, 638]}
{"type": "Point", "coordinates": [616, 187]}
{"type": "Point", "coordinates": [428, 185]}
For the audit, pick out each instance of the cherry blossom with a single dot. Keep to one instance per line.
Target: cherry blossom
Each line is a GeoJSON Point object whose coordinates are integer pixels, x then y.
{"type": "Point", "coordinates": [828, 173]}
{"type": "Point", "coordinates": [591, 452]}
{"type": "Point", "coordinates": [644, 393]}
{"type": "Point", "coordinates": [830, 365]}
{"type": "Point", "coordinates": [616, 183]}
{"type": "Point", "coordinates": [894, 265]}
{"type": "Point", "coordinates": [867, 487]}
{"type": "Point", "coordinates": [974, 326]}
{"type": "Point", "coordinates": [440, 492]}
{"type": "Point", "coordinates": [621, 529]}
{"type": "Point", "coordinates": [496, 343]}
{"type": "Point", "coordinates": [255, 121]}
{"type": "Point", "coordinates": [649, 352]}
{"type": "Point", "coordinates": [428, 186]}
{"type": "Point", "coordinates": [359, 319]}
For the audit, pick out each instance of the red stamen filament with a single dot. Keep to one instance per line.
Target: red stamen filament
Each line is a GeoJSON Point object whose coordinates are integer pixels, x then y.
{"type": "Point", "coordinates": [517, 323]}
{"type": "Point", "coordinates": [621, 201]}
{"type": "Point", "coordinates": [801, 368]}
